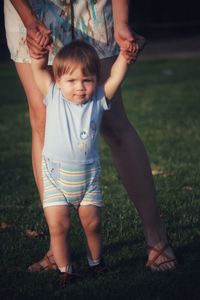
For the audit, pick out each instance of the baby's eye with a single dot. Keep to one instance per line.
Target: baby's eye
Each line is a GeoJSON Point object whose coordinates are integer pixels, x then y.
{"type": "Point", "coordinates": [88, 80]}
{"type": "Point", "coordinates": [70, 80]}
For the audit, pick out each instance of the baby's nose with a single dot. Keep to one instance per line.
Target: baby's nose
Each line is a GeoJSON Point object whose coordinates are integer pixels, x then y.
{"type": "Point", "coordinates": [80, 85]}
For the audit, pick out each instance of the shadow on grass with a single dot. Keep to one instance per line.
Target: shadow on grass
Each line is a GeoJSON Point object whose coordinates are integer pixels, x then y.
{"type": "Point", "coordinates": [127, 279]}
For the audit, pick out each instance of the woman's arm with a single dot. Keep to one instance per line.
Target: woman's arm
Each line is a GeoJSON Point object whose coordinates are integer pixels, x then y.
{"type": "Point", "coordinates": [25, 12]}
{"type": "Point", "coordinates": [120, 17]}
{"type": "Point", "coordinates": [33, 25]}
{"type": "Point", "coordinates": [129, 41]}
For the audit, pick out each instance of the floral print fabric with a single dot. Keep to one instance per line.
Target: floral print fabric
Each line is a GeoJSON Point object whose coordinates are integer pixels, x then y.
{"type": "Point", "coordinates": [90, 20]}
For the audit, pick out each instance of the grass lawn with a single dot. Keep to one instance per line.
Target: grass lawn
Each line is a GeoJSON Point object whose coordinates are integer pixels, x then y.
{"type": "Point", "coordinates": [162, 99]}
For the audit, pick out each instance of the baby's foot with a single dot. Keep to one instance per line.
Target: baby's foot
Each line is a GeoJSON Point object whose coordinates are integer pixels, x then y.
{"type": "Point", "coordinates": [67, 278]}
{"type": "Point", "coordinates": [99, 269]}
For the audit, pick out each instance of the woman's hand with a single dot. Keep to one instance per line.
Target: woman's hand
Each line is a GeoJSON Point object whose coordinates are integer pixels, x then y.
{"type": "Point", "coordinates": [129, 42]}
{"type": "Point", "coordinates": [123, 35]}
{"type": "Point", "coordinates": [38, 39]}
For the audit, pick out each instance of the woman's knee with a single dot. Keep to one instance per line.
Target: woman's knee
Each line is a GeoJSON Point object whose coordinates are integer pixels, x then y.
{"type": "Point", "coordinates": [115, 132]}
{"type": "Point", "coordinates": [115, 124]}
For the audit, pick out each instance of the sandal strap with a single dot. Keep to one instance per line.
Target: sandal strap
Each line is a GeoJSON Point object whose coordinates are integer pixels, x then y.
{"type": "Point", "coordinates": [38, 266]}
{"type": "Point", "coordinates": [167, 261]}
{"type": "Point", "coordinates": [159, 253]}
{"type": "Point", "coordinates": [49, 265]}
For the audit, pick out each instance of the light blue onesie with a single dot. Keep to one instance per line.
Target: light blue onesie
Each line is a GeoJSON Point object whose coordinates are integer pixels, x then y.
{"type": "Point", "coordinates": [70, 155]}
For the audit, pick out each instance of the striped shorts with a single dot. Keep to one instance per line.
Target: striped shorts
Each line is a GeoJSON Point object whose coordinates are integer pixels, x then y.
{"type": "Point", "coordinates": [71, 184]}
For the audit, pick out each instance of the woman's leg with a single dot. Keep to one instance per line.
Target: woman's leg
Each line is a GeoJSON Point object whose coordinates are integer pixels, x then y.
{"type": "Point", "coordinates": [90, 217]}
{"type": "Point", "coordinates": [37, 119]}
{"type": "Point", "coordinates": [132, 163]}
{"type": "Point", "coordinates": [37, 114]}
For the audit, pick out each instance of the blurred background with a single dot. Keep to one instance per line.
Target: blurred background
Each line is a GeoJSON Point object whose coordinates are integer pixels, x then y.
{"type": "Point", "coordinates": [165, 22]}
{"type": "Point", "coordinates": [165, 18]}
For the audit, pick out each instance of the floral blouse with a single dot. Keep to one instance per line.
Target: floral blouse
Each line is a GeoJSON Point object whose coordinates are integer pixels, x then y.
{"type": "Point", "coordinates": [90, 20]}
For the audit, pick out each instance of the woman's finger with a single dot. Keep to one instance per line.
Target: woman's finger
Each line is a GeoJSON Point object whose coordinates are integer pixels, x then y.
{"type": "Point", "coordinates": [36, 48]}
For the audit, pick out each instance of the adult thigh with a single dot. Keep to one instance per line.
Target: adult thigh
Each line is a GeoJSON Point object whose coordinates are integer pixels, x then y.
{"type": "Point", "coordinates": [35, 99]}
{"type": "Point", "coordinates": [115, 124]}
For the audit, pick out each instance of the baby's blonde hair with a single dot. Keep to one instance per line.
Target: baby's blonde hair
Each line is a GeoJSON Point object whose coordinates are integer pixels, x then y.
{"type": "Point", "coordinates": [76, 54]}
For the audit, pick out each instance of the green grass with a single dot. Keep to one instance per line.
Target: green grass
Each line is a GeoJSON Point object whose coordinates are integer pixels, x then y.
{"type": "Point", "coordinates": [162, 102]}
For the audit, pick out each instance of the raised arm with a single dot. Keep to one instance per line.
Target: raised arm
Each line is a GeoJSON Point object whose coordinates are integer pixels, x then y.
{"type": "Point", "coordinates": [40, 69]}
{"type": "Point", "coordinates": [42, 74]}
{"type": "Point", "coordinates": [117, 74]}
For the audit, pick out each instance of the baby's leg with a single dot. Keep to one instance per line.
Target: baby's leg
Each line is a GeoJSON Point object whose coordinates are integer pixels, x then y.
{"type": "Point", "coordinates": [90, 217]}
{"type": "Point", "coordinates": [58, 219]}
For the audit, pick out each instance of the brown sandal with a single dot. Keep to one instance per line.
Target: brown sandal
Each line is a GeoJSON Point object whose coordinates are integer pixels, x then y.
{"type": "Point", "coordinates": [153, 265]}
{"type": "Point", "coordinates": [38, 267]}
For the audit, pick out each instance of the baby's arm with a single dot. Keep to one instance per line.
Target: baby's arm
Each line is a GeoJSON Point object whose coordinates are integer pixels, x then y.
{"type": "Point", "coordinates": [118, 72]}
{"type": "Point", "coordinates": [40, 69]}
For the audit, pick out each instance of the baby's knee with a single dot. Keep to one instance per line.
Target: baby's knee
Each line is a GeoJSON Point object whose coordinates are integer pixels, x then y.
{"type": "Point", "coordinates": [92, 225]}
{"type": "Point", "coordinates": [59, 228]}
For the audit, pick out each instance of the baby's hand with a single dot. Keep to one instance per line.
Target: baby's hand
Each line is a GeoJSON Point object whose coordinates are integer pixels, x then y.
{"type": "Point", "coordinates": [130, 50]}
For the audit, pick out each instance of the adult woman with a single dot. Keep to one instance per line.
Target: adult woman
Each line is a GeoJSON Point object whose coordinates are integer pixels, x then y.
{"type": "Point", "coordinates": [90, 20]}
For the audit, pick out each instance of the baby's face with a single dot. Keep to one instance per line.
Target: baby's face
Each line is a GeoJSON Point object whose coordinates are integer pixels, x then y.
{"type": "Point", "coordinates": [76, 87]}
